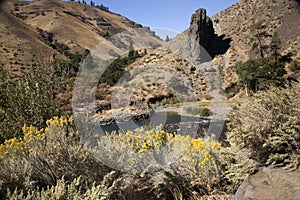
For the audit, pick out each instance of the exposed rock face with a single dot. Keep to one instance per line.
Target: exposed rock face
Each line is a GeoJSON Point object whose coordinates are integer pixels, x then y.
{"type": "Point", "coordinates": [202, 37]}
{"type": "Point", "coordinates": [201, 31]}
{"type": "Point", "coordinates": [270, 184]}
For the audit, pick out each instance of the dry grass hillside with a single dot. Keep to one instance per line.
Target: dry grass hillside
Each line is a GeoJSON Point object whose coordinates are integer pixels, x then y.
{"type": "Point", "coordinates": [281, 16]}
{"type": "Point", "coordinates": [78, 25]}
{"type": "Point", "coordinates": [20, 44]}
{"type": "Point", "coordinates": [26, 26]}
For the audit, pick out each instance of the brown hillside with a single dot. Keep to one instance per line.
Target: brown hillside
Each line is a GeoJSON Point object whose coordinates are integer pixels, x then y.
{"type": "Point", "coordinates": [25, 25]}
{"type": "Point", "coordinates": [281, 16]}
{"type": "Point", "coordinates": [20, 44]}
{"type": "Point", "coordinates": [77, 25]}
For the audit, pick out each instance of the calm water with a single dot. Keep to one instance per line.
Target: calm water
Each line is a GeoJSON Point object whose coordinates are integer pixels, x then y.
{"type": "Point", "coordinates": [171, 122]}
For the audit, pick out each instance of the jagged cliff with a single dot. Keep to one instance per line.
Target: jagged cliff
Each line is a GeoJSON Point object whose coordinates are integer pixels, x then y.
{"type": "Point", "coordinates": [224, 37]}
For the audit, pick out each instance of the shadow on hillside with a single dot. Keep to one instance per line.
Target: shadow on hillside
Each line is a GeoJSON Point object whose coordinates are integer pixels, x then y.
{"type": "Point", "coordinates": [218, 45]}
{"type": "Point", "coordinates": [287, 58]}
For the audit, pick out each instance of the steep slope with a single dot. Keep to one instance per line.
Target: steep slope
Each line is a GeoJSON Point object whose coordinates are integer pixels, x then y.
{"type": "Point", "coordinates": [31, 32]}
{"type": "Point", "coordinates": [20, 44]}
{"type": "Point", "coordinates": [281, 16]}
{"type": "Point", "coordinates": [223, 39]}
{"type": "Point", "coordinates": [77, 25]}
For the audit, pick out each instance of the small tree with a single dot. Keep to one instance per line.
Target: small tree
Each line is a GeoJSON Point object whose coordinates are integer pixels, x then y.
{"type": "Point", "coordinates": [259, 74]}
{"type": "Point", "coordinates": [275, 45]}
{"type": "Point", "coordinates": [28, 100]}
{"type": "Point", "coordinates": [258, 40]}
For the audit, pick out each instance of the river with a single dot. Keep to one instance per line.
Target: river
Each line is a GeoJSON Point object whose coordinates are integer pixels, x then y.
{"type": "Point", "coordinates": [172, 122]}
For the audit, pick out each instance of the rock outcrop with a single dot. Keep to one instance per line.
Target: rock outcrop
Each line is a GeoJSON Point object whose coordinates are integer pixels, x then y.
{"type": "Point", "coordinates": [202, 37]}
{"type": "Point", "coordinates": [200, 33]}
{"type": "Point", "coordinates": [270, 184]}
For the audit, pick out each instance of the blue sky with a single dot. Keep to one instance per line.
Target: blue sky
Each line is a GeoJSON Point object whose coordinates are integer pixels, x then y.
{"type": "Point", "coordinates": [164, 14]}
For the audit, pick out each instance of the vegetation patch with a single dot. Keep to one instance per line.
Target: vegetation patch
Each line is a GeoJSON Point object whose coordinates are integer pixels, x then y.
{"type": "Point", "coordinates": [197, 110]}
{"type": "Point", "coordinates": [263, 132]}
{"type": "Point", "coordinates": [116, 69]}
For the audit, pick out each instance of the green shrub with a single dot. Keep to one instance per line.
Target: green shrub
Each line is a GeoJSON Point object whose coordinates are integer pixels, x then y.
{"type": "Point", "coordinates": [259, 74]}
{"type": "Point", "coordinates": [264, 131]}
{"type": "Point", "coordinates": [30, 99]}
{"type": "Point", "coordinates": [117, 68]}
{"type": "Point", "coordinates": [196, 110]}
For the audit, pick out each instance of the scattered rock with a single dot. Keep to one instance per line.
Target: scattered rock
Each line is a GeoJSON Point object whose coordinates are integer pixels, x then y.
{"type": "Point", "coordinates": [120, 116]}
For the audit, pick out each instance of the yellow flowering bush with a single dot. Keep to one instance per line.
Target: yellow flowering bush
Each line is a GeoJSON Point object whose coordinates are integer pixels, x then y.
{"type": "Point", "coordinates": [144, 150]}
{"type": "Point", "coordinates": [159, 159]}
{"type": "Point", "coordinates": [43, 156]}
{"type": "Point", "coordinates": [32, 140]}
{"type": "Point", "coordinates": [59, 121]}
{"type": "Point", "coordinates": [143, 140]}
{"type": "Point", "coordinates": [202, 151]}
{"type": "Point", "coordinates": [191, 164]}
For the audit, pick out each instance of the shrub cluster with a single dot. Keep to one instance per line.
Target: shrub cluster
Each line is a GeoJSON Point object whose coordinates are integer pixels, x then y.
{"type": "Point", "coordinates": [44, 156]}
{"type": "Point", "coordinates": [152, 164]}
{"type": "Point", "coordinates": [116, 69]}
{"type": "Point", "coordinates": [30, 99]}
{"type": "Point", "coordinates": [52, 162]}
{"type": "Point", "coordinates": [264, 131]}
{"type": "Point", "coordinates": [196, 110]}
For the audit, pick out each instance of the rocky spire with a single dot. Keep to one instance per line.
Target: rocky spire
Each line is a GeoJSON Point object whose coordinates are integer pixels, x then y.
{"type": "Point", "coordinates": [201, 28]}
{"type": "Point", "coordinates": [204, 43]}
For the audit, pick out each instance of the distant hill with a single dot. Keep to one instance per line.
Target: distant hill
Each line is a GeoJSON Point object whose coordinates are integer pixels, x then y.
{"type": "Point", "coordinates": [28, 29]}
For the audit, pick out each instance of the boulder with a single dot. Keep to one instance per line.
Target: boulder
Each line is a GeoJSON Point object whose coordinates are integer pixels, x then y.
{"type": "Point", "coordinates": [270, 184]}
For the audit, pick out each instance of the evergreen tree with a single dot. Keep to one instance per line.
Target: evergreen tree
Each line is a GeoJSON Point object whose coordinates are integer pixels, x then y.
{"type": "Point", "coordinates": [259, 74]}
{"type": "Point", "coordinates": [275, 46]}
{"type": "Point", "coordinates": [258, 40]}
